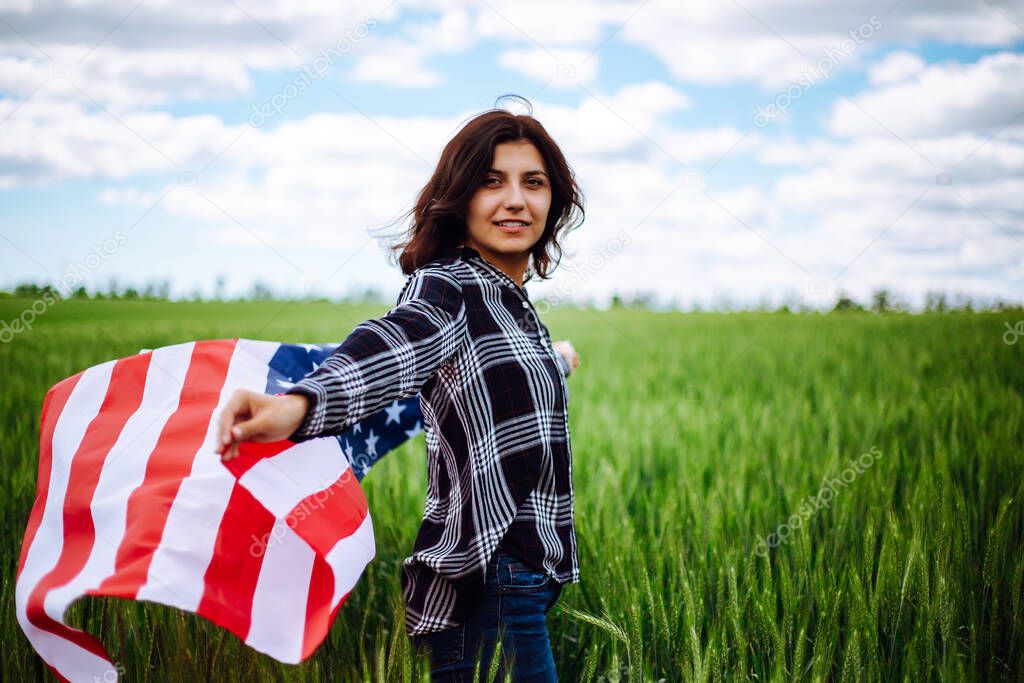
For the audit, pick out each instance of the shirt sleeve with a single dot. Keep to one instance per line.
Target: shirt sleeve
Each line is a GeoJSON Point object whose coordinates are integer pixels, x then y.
{"type": "Point", "coordinates": [563, 363]}
{"type": "Point", "coordinates": [388, 358]}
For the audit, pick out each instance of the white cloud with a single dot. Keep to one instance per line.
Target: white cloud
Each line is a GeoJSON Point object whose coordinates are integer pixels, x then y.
{"type": "Point", "coordinates": [896, 66]}
{"type": "Point", "coordinates": [401, 62]}
{"type": "Point", "coordinates": [941, 99]}
{"type": "Point", "coordinates": [48, 141]}
{"type": "Point", "coordinates": [396, 63]}
{"type": "Point", "coordinates": [773, 44]}
{"type": "Point", "coordinates": [452, 32]}
{"type": "Point", "coordinates": [549, 24]}
{"type": "Point", "coordinates": [149, 54]}
{"type": "Point", "coordinates": [564, 69]}
{"type": "Point", "coordinates": [124, 79]}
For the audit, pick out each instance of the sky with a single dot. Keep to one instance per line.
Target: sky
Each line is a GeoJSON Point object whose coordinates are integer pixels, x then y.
{"type": "Point", "coordinates": [730, 154]}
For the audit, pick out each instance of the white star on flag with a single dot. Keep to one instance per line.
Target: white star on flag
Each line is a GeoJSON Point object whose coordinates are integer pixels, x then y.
{"type": "Point", "coordinates": [393, 412]}
{"type": "Point", "coordinates": [415, 430]}
{"type": "Point", "coordinates": [371, 444]}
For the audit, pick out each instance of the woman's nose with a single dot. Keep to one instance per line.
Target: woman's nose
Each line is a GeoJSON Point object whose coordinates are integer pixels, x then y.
{"type": "Point", "coordinates": [514, 197]}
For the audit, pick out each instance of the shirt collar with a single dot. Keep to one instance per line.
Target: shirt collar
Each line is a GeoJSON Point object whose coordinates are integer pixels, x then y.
{"type": "Point", "coordinates": [460, 251]}
{"type": "Point", "coordinates": [466, 253]}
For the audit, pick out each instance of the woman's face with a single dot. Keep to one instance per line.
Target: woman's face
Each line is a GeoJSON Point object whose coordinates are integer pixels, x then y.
{"type": "Point", "coordinates": [515, 190]}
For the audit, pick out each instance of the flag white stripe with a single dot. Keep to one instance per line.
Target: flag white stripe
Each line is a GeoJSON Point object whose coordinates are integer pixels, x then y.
{"type": "Point", "coordinates": [349, 557]}
{"type": "Point", "coordinates": [125, 469]}
{"type": "Point", "coordinates": [83, 404]}
{"type": "Point", "coordinates": [282, 590]}
{"type": "Point", "coordinates": [176, 575]}
{"type": "Point", "coordinates": [284, 480]}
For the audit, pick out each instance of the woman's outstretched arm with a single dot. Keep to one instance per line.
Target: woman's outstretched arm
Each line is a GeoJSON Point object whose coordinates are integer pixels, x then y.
{"type": "Point", "coordinates": [382, 360]}
{"type": "Point", "coordinates": [568, 359]}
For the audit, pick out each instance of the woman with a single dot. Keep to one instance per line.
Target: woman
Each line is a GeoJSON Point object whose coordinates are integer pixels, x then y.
{"type": "Point", "coordinates": [497, 540]}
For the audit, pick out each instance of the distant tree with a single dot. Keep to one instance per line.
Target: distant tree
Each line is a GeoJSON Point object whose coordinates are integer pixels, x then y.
{"type": "Point", "coordinates": [963, 302]}
{"type": "Point", "coordinates": [936, 302]}
{"type": "Point", "coordinates": [884, 301]}
{"type": "Point", "coordinates": [845, 303]}
{"type": "Point", "coordinates": [880, 301]}
{"type": "Point", "coordinates": [260, 292]}
{"type": "Point", "coordinates": [616, 301]}
{"type": "Point", "coordinates": [371, 295]}
{"type": "Point", "coordinates": [28, 290]}
{"type": "Point", "coordinates": [644, 300]}
{"type": "Point", "coordinates": [790, 302]}
{"type": "Point", "coordinates": [1001, 305]}
{"type": "Point", "coordinates": [157, 290]}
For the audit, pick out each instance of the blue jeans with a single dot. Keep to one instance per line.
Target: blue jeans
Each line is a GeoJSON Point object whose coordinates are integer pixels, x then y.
{"type": "Point", "coordinates": [517, 599]}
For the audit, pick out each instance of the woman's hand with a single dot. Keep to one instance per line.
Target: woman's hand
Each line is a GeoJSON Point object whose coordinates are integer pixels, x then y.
{"type": "Point", "coordinates": [568, 352]}
{"type": "Point", "coordinates": [252, 416]}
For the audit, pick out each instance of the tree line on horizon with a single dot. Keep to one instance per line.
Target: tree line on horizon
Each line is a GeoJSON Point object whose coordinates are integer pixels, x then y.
{"type": "Point", "coordinates": [882, 300]}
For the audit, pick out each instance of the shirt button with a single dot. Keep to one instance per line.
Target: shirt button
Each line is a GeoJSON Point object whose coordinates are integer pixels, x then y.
{"type": "Point", "coordinates": [526, 305]}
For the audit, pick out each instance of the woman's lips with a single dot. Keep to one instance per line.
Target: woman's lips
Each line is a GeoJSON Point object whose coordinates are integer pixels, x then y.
{"type": "Point", "coordinates": [511, 229]}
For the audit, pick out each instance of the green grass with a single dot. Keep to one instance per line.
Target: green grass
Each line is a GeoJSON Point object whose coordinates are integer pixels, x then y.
{"type": "Point", "coordinates": [693, 436]}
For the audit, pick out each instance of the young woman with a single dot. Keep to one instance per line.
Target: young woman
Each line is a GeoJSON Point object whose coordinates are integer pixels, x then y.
{"type": "Point", "coordinates": [497, 540]}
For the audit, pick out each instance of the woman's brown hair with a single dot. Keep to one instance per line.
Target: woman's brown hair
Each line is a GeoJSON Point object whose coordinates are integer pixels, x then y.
{"type": "Point", "coordinates": [439, 216]}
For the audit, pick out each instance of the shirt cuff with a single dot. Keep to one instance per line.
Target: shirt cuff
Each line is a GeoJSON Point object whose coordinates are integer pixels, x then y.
{"type": "Point", "coordinates": [562, 363]}
{"type": "Point", "coordinates": [312, 424]}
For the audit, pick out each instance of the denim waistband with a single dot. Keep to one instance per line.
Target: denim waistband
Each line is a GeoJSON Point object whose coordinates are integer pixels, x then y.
{"type": "Point", "coordinates": [500, 555]}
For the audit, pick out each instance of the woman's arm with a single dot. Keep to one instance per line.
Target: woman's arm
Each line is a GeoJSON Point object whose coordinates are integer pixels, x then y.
{"type": "Point", "coordinates": [568, 359]}
{"type": "Point", "coordinates": [382, 360]}
{"type": "Point", "coordinates": [255, 416]}
{"type": "Point", "coordinates": [386, 358]}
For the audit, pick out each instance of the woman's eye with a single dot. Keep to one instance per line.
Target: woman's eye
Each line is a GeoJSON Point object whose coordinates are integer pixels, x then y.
{"type": "Point", "coordinates": [532, 182]}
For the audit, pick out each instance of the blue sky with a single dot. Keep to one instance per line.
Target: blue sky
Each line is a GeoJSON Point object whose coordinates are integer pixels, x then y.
{"type": "Point", "coordinates": [129, 126]}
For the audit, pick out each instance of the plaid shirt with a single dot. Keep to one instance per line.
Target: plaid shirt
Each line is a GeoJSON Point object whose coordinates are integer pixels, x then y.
{"type": "Point", "coordinates": [494, 399]}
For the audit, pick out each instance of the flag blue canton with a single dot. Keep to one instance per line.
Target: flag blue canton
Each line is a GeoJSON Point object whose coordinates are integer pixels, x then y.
{"type": "Point", "coordinates": [370, 439]}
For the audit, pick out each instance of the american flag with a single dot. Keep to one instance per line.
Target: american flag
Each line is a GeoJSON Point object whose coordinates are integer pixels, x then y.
{"type": "Point", "coordinates": [133, 501]}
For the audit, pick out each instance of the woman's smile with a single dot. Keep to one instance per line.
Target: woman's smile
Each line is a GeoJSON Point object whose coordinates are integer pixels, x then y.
{"type": "Point", "coordinates": [513, 227]}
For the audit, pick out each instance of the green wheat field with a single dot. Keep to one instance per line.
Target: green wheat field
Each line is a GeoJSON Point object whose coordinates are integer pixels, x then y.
{"type": "Point", "coordinates": [696, 437]}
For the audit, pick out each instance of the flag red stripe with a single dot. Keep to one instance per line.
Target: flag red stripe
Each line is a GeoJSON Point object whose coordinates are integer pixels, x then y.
{"type": "Point", "coordinates": [251, 452]}
{"type": "Point", "coordinates": [170, 462]}
{"type": "Point", "coordinates": [230, 580]}
{"type": "Point", "coordinates": [57, 674]}
{"type": "Point", "coordinates": [53, 406]}
{"type": "Point", "coordinates": [123, 397]}
{"type": "Point", "coordinates": [331, 514]}
{"type": "Point", "coordinates": [318, 605]}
